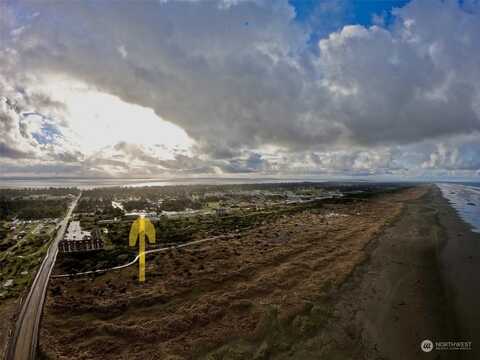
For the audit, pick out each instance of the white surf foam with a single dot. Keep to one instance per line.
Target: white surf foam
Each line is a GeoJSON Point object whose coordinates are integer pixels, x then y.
{"type": "Point", "coordinates": [466, 201]}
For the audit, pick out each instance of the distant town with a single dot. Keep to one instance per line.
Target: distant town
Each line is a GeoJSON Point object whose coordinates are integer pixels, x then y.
{"type": "Point", "coordinates": [30, 218]}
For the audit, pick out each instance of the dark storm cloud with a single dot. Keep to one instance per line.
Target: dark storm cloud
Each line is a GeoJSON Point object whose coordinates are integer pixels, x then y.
{"type": "Point", "coordinates": [234, 88]}
{"type": "Point", "coordinates": [12, 153]}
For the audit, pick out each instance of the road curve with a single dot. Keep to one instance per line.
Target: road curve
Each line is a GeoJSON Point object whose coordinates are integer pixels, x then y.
{"type": "Point", "coordinates": [23, 345]}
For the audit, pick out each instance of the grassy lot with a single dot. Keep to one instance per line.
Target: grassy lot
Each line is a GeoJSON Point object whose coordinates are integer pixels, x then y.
{"type": "Point", "coordinates": [20, 257]}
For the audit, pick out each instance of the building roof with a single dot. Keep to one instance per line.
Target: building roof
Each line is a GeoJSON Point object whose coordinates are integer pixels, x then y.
{"type": "Point", "coordinates": [75, 232]}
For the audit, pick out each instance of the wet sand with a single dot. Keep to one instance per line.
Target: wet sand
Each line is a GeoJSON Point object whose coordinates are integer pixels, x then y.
{"type": "Point", "coordinates": [418, 283]}
{"type": "Point", "coordinates": [460, 267]}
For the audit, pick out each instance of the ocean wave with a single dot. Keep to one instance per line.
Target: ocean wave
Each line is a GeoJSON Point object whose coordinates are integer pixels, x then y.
{"type": "Point", "coordinates": [465, 199]}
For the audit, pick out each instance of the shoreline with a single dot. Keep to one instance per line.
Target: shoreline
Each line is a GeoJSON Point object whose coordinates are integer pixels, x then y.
{"type": "Point", "coordinates": [459, 259]}
{"type": "Point", "coordinates": [394, 299]}
{"type": "Point", "coordinates": [415, 285]}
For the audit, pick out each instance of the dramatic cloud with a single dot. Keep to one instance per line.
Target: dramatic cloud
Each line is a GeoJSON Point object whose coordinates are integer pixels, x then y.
{"type": "Point", "coordinates": [246, 84]}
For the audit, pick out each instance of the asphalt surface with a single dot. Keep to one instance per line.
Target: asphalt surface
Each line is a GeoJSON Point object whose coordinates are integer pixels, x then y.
{"type": "Point", "coordinates": [24, 343]}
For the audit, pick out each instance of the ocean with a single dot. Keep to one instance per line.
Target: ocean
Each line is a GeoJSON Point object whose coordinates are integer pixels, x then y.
{"type": "Point", "coordinates": [465, 198]}
{"type": "Point", "coordinates": [89, 183]}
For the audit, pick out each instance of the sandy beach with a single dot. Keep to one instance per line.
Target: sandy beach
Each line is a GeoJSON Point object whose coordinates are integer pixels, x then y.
{"type": "Point", "coordinates": [418, 283]}
{"type": "Point", "coordinates": [459, 258]}
{"type": "Point", "coordinates": [397, 299]}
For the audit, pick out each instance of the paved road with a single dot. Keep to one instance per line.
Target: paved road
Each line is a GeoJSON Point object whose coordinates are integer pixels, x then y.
{"type": "Point", "coordinates": [23, 345]}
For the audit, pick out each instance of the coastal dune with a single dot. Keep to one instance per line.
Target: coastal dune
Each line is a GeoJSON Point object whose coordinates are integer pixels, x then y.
{"type": "Point", "coordinates": [418, 284]}
{"type": "Point", "coordinates": [362, 279]}
{"type": "Point", "coordinates": [397, 298]}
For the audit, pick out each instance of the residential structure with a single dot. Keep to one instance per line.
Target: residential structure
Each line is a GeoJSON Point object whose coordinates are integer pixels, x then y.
{"type": "Point", "coordinates": [76, 240]}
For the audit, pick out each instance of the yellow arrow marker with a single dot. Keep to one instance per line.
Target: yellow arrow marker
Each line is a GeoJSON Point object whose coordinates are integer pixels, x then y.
{"type": "Point", "coordinates": [139, 229]}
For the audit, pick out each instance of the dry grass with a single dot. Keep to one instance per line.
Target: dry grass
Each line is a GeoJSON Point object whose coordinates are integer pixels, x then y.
{"type": "Point", "coordinates": [241, 298]}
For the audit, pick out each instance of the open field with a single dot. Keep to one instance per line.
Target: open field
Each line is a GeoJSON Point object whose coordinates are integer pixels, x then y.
{"type": "Point", "coordinates": [259, 295]}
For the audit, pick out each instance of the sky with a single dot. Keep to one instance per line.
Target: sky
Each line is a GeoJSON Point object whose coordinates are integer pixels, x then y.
{"type": "Point", "coordinates": [240, 88]}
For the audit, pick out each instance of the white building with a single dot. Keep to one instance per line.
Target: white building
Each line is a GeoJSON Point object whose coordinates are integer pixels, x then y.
{"type": "Point", "coordinates": [75, 232]}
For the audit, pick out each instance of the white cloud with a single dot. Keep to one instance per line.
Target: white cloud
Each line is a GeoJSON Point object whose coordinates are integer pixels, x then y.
{"type": "Point", "coordinates": [123, 52]}
{"type": "Point", "coordinates": [241, 76]}
{"type": "Point", "coordinates": [96, 119]}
